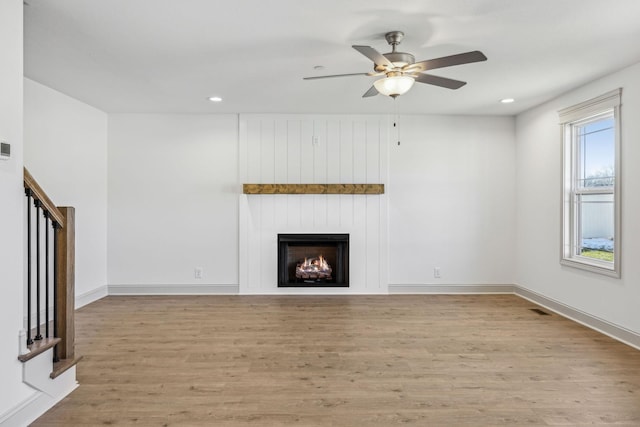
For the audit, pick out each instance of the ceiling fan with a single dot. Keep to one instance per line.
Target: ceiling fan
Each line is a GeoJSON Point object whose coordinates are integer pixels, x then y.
{"type": "Point", "coordinates": [400, 70]}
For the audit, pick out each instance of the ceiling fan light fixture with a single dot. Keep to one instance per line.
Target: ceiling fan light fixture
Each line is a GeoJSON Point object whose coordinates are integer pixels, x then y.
{"type": "Point", "coordinates": [394, 86]}
{"type": "Point", "coordinates": [401, 71]}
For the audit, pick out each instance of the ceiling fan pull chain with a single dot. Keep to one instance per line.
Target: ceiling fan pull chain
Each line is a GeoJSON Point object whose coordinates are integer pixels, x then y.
{"type": "Point", "coordinates": [396, 123]}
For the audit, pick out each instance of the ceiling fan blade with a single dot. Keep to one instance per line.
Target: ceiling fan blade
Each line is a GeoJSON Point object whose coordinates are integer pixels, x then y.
{"type": "Point", "coordinates": [373, 55]}
{"type": "Point", "coordinates": [335, 75]}
{"type": "Point", "coordinates": [371, 92]}
{"type": "Point", "coordinates": [446, 61]}
{"type": "Point", "coordinates": [439, 81]}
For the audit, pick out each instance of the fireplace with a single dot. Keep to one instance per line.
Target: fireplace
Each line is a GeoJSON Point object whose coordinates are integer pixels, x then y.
{"type": "Point", "coordinates": [313, 260]}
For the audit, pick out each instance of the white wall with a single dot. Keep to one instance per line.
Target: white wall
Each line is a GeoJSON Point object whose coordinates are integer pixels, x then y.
{"type": "Point", "coordinates": [449, 202]}
{"type": "Point", "coordinates": [302, 149]}
{"type": "Point", "coordinates": [65, 149]}
{"type": "Point", "coordinates": [452, 201]}
{"type": "Point", "coordinates": [538, 208]}
{"type": "Point", "coordinates": [12, 390]}
{"type": "Point", "coordinates": [173, 203]}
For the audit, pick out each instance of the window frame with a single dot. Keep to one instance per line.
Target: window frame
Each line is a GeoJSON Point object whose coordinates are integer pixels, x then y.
{"type": "Point", "coordinates": [606, 105]}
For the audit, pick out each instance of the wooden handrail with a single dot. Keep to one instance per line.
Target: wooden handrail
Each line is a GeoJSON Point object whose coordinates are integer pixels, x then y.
{"type": "Point", "coordinates": [39, 194]}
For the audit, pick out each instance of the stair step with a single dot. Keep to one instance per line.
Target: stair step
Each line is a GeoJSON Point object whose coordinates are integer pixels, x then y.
{"type": "Point", "coordinates": [38, 347]}
{"type": "Point", "coordinates": [64, 364]}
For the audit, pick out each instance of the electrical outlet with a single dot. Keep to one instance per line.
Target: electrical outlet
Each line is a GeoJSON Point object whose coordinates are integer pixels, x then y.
{"type": "Point", "coordinates": [198, 272]}
{"type": "Point", "coordinates": [436, 272]}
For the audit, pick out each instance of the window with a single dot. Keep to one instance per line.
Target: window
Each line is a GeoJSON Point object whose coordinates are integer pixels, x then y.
{"type": "Point", "coordinates": [591, 184]}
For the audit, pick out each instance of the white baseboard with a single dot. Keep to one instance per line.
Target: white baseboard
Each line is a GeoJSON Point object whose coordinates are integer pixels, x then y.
{"type": "Point", "coordinates": [26, 411]}
{"type": "Point", "coordinates": [205, 289]}
{"type": "Point", "coordinates": [450, 289]}
{"type": "Point", "coordinates": [91, 296]}
{"type": "Point", "coordinates": [612, 330]}
{"type": "Point", "coordinates": [43, 398]}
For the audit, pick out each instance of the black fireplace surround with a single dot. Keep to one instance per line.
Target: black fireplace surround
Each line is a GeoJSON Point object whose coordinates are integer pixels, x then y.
{"type": "Point", "coordinates": [313, 260]}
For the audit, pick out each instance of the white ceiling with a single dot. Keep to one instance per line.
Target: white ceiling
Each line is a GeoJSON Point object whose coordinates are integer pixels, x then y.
{"type": "Point", "coordinates": [170, 55]}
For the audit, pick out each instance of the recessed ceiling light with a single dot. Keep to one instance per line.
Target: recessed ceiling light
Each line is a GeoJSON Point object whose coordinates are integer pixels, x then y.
{"type": "Point", "coordinates": [507, 100]}
{"type": "Point", "coordinates": [318, 67]}
{"type": "Point", "coordinates": [215, 99]}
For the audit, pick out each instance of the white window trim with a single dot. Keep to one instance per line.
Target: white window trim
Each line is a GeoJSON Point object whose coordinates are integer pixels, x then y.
{"type": "Point", "coordinates": [568, 116]}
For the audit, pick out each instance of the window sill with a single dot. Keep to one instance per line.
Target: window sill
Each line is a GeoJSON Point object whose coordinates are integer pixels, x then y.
{"type": "Point", "coordinates": [583, 263]}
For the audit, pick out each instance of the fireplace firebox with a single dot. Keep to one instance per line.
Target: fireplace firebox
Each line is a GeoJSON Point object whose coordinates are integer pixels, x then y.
{"type": "Point", "coordinates": [313, 260]}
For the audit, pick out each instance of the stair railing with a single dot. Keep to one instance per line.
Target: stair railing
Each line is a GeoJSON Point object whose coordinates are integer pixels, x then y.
{"type": "Point", "coordinates": [50, 277]}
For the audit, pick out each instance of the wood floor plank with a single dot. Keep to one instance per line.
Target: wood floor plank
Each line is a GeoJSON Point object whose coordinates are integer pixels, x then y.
{"type": "Point", "coordinates": [429, 360]}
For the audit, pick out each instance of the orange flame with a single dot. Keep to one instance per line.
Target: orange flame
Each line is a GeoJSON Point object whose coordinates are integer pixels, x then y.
{"type": "Point", "coordinates": [315, 264]}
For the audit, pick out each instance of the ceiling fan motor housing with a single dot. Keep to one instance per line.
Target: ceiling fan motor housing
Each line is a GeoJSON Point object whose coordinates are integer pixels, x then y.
{"type": "Point", "coordinates": [399, 59]}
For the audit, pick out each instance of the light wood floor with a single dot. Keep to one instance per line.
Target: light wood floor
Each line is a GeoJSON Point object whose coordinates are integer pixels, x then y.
{"type": "Point", "coordinates": [431, 360]}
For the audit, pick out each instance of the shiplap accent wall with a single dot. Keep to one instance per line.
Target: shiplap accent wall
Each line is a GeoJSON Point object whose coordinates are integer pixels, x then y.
{"type": "Point", "coordinates": [301, 149]}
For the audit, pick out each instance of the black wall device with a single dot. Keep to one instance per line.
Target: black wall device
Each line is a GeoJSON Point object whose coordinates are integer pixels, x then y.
{"type": "Point", "coordinates": [5, 150]}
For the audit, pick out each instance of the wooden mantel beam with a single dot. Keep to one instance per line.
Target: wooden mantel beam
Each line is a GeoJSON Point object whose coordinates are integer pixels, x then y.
{"type": "Point", "coordinates": [313, 188]}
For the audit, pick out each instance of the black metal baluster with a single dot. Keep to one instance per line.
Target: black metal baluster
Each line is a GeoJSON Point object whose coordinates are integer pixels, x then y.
{"type": "Point", "coordinates": [46, 274]}
{"type": "Point", "coordinates": [28, 193]}
{"type": "Point", "coordinates": [38, 334]}
{"type": "Point", "coordinates": [56, 227]}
